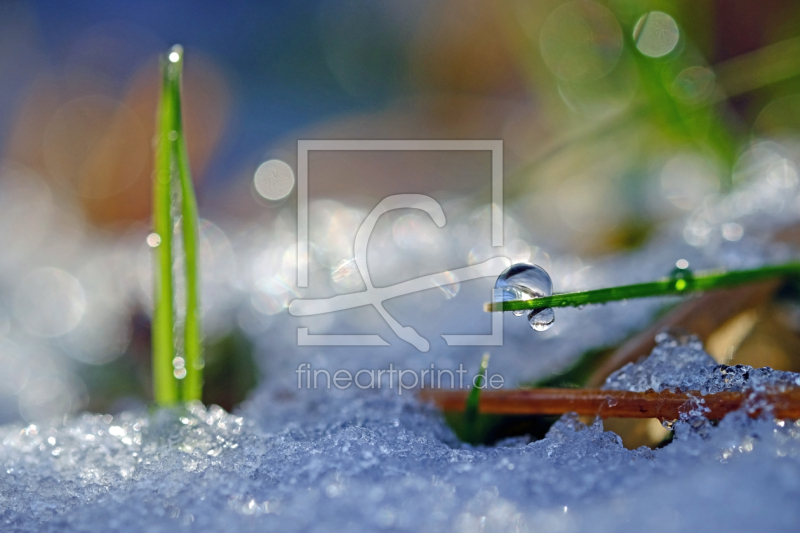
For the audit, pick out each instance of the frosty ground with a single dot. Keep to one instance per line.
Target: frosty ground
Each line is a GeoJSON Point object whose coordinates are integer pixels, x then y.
{"type": "Point", "coordinates": [365, 461]}
{"type": "Point", "coordinates": [353, 460]}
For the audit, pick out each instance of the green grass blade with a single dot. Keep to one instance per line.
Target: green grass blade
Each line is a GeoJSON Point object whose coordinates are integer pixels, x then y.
{"type": "Point", "coordinates": [474, 398]}
{"type": "Point", "coordinates": [193, 381]}
{"type": "Point", "coordinates": [473, 427]}
{"type": "Point", "coordinates": [165, 388]}
{"type": "Point", "coordinates": [664, 287]}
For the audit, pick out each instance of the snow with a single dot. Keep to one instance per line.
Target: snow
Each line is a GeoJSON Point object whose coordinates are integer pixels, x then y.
{"type": "Point", "coordinates": [681, 363]}
{"type": "Point", "coordinates": [371, 461]}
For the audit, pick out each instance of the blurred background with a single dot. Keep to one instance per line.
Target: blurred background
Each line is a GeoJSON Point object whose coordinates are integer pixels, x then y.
{"type": "Point", "coordinates": [619, 118]}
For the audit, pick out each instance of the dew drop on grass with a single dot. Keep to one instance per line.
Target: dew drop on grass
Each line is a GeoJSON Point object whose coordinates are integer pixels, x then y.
{"type": "Point", "coordinates": [681, 275]}
{"type": "Point", "coordinates": [542, 320]}
{"type": "Point", "coordinates": [524, 281]}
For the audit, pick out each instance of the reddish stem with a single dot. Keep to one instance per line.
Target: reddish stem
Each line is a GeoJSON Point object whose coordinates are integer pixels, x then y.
{"type": "Point", "coordinates": [611, 404]}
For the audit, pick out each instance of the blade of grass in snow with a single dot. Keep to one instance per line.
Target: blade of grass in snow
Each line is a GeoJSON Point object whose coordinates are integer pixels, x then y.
{"type": "Point", "coordinates": [172, 165]}
{"type": "Point", "coordinates": [193, 382]}
{"type": "Point", "coordinates": [471, 426]}
{"type": "Point", "coordinates": [475, 394]}
{"type": "Point", "coordinates": [165, 388]}
{"type": "Point", "coordinates": [665, 287]}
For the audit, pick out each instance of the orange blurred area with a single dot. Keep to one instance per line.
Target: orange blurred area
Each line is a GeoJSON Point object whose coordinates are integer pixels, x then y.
{"type": "Point", "coordinates": [98, 149]}
{"type": "Point", "coordinates": [615, 115]}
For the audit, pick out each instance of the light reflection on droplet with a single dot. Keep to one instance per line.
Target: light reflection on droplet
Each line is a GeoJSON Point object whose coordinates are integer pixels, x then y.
{"type": "Point", "coordinates": [179, 367]}
{"type": "Point", "coordinates": [49, 302]}
{"type": "Point", "coordinates": [274, 179]}
{"type": "Point", "coordinates": [523, 281]}
{"type": "Point", "coordinates": [541, 320]}
{"type": "Point", "coordinates": [656, 34]}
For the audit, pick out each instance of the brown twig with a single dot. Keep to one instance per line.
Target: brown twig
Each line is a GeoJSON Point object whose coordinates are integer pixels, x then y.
{"type": "Point", "coordinates": [610, 404]}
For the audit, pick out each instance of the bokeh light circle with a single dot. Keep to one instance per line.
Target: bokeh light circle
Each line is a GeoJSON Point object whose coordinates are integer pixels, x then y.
{"type": "Point", "coordinates": [49, 302]}
{"type": "Point", "coordinates": [274, 179]}
{"type": "Point", "coordinates": [694, 84]}
{"type": "Point", "coordinates": [656, 34]}
{"type": "Point", "coordinates": [581, 41]}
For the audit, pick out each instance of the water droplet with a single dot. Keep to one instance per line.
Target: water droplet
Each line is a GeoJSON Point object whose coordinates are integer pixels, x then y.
{"type": "Point", "coordinates": [524, 281]}
{"type": "Point", "coordinates": [681, 275]}
{"type": "Point", "coordinates": [542, 319]}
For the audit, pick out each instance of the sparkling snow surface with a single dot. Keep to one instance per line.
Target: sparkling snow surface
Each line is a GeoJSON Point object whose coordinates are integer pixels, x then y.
{"type": "Point", "coordinates": [372, 460]}
{"type": "Point", "coordinates": [363, 461]}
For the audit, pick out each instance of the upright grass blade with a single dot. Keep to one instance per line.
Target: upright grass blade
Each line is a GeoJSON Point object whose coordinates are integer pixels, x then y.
{"type": "Point", "coordinates": [165, 389]}
{"type": "Point", "coordinates": [473, 431]}
{"type": "Point", "coordinates": [670, 286]}
{"type": "Point", "coordinates": [173, 181]}
{"type": "Point", "coordinates": [193, 384]}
